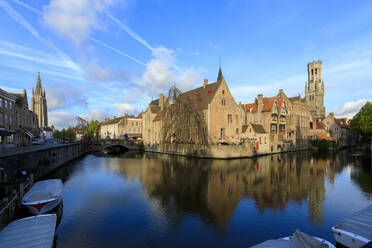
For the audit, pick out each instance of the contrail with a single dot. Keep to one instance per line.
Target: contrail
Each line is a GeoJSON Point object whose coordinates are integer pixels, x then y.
{"type": "Point", "coordinates": [119, 52]}
{"type": "Point", "coordinates": [18, 18]}
{"type": "Point", "coordinates": [28, 7]}
{"type": "Point", "coordinates": [133, 34]}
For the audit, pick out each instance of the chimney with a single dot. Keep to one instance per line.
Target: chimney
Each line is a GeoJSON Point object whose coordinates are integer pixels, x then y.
{"type": "Point", "coordinates": [280, 91]}
{"type": "Point", "coordinates": [205, 83]}
{"type": "Point", "coordinates": [259, 102]}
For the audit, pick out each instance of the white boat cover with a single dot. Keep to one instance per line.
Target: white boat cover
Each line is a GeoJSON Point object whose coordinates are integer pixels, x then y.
{"type": "Point", "coordinates": [359, 223]}
{"type": "Point", "coordinates": [298, 240]}
{"type": "Point", "coordinates": [43, 190]}
{"type": "Point", "coordinates": [36, 231]}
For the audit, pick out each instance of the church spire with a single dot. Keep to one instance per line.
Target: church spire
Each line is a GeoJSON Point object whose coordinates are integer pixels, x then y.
{"type": "Point", "coordinates": [220, 76]}
{"type": "Point", "coordinates": [38, 90]}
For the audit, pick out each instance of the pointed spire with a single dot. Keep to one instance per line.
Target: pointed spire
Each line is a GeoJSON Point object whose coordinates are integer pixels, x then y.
{"type": "Point", "coordinates": [220, 76]}
{"type": "Point", "coordinates": [38, 90]}
{"type": "Point", "coordinates": [32, 91]}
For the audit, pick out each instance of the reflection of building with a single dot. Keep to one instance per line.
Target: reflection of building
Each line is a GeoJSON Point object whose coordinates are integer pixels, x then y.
{"type": "Point", "coordinates": [213, 189]}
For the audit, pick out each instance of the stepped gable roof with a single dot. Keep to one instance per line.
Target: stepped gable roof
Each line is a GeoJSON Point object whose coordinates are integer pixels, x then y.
{"type": "Point", "coordinates": [202, 96]}
{"type": "Point", "coordinates": [250, 107]}
{"type": "Point", "coordinates": [258, 128]}
{"type": "Point", "coordinates": [268, 103]}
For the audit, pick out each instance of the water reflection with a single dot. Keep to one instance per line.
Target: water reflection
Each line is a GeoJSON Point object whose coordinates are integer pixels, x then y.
{"type": "Point", "coordinates": [213, 188]}
{"type": "Point", "coordinates": [143, 200]}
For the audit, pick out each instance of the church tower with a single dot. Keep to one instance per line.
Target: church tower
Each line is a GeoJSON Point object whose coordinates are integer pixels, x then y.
{"type": "Point", "coordinates": [39, 104]}
{"type": "Point", "coordinates": [314, 89]}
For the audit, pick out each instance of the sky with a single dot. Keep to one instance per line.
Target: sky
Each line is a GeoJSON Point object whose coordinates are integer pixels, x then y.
{"type": "Point", "coordinates": [103, 58]}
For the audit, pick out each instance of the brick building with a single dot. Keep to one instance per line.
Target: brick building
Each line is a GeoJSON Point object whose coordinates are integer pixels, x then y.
{"type": "Point", "coordinates": [7, 119]}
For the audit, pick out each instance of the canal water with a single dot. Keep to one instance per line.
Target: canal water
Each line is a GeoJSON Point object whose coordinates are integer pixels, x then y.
{"type": "Point", "coordinates": [149, 200]}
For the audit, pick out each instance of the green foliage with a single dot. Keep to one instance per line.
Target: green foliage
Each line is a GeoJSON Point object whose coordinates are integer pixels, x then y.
{"type": "Point", "coordinates": [92, 129]}
{"type": "Point", "coordinates": [65, 134]}
{"type": "Point", "coordinates": [362, 121]}
{"type": "Point", "coordinates": [323, 145]}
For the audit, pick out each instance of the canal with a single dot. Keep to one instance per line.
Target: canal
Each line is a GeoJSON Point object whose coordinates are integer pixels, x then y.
{"type": "Point", "coordinates": [149, 200]}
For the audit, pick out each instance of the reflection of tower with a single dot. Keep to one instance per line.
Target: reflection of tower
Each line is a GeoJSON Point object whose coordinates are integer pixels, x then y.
{"type": "Point", "coordinates": [316, 198]}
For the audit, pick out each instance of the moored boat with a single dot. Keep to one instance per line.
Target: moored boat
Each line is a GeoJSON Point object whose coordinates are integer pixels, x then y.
{"type": "Point", "coordinates": [355, 230]}
{"type": "Point", "coordinates": [35, 231]}
{"type": "Point", "coordinates": [298, 239]}
{"type": "Point", "coordinates": [44, 196]}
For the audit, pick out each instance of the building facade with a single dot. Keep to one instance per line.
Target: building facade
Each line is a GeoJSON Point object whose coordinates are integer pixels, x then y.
{"type": "Point", "coordinates": [39, 104]}
{"type": "Point", "coordinates": [109, 129]}
{"type": "Point", "coordinates": [131, 127]}
{"type": "Point", "coordinates": [7, 120]}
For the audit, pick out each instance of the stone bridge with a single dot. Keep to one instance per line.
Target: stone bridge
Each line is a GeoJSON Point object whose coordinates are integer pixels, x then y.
{"type": "Point", "coordinates": [100, 145]}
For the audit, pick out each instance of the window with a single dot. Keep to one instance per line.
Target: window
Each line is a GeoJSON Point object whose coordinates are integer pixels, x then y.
{"type": "Point", "coordinates": [136, 123]}
{"type": "Point", "coordinates": [5, 104]}
{"type": "Point", "coordinates": [10, 105]}
{"type": "Point", "coordinates": [312, 71]}
{"type": "Point", "coordinates": [265, 140]}
{"type": "Point", "coordinates": [6, 120]}
{"type": "Point", "coordinates": [311, 125]}
{"type": "Point", "coordinates": [223, 92]}
{"type": "Point", "coordinates": [229, 118]}
{"type": "Point", "coordinates": [236, 118]}
{"type": "Point", "coordinates": [282, 118]}
{"type": "Point", "coordinates": [250, 130]}
{"type": "Point", "coordinates": [316, 70]}
{"type": "Point", "coordinates": [273, 128]}
{"type": "Point", "coordinates": [281, 128]}
{"type": "Point", "coordinates": [1, 102]}
{"type": "Point", "coordinates": [1, 119]}
{"type": "Point", "coordinates": [237, 131]}
{"type": "Point", "coordinates": [223, 102]}
{"type": "Point", "coordinates": [260, 140]}
{"type": "Point", "coordinates": [222, 133]}
{"type": "Point", "coordinates": [208, 92]}
{"type": "Point", "coordinates": [274, 117]}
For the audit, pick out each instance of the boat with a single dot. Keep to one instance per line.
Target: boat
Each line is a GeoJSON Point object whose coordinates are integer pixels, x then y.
{"type": "Point", "coordinates": [298, 239]}
{"type": "Point", "coordinates": [44, 196]}
{"type": "Point", "coordinates": [35, 231]}
{"type": "Point", "coordinates": [355, 230]}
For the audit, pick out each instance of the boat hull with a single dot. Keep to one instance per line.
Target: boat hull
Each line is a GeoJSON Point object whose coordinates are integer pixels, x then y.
{"type": "Point", "coordinates": [349, 239]}
{"type": "Point", "coordinates": [42, 208]}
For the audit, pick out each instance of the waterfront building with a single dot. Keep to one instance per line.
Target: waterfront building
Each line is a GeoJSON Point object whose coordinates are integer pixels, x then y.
{"type": "Point", "coordinates": [39, 104]}
{"type": "Point", "coordinates": [205, 115]}
{"type": "Point", "coordinates": [27, 125]}
{"type": "Point", "coordinates": [7, 119]}
{"type": "Point", "coordinates": [109, 129]}
{"type": "Point", "coordinates": [131, 127]}
{"type": "Point", "coordinates": [338, 128]}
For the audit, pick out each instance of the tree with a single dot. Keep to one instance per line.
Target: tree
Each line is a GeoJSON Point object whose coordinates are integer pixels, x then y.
{"type": "Point", "coordinates": [57, 135]}
{"type": "Point", "coordinates": [362, 121]}
{"type": "Point", "coordinates": [70, 133]}
{"type": "Point", "coordinates": [92, 129]}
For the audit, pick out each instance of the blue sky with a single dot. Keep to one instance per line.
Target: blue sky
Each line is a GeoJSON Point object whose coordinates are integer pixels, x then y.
{"type": "Point", "coordinates": [100, 58]}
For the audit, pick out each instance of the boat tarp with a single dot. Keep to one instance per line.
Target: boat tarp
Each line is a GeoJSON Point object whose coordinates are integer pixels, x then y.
{"type": "Point", "coordinates": [298, 240]}
{"type": "Point", "coordinates": [44, 190]}
{"type": "Point", "coordinates": [36, 231]}
{"type": "Point", "coordinates": [359, 223]}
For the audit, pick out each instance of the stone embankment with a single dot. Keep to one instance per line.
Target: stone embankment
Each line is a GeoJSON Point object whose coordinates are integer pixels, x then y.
{"type": "Point", "coordinates": [218, 151]}
{"type": "Point", "coordinates": [19, 170]}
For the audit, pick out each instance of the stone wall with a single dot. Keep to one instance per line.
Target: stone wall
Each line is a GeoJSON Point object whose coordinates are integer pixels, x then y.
{"type": "Point", "coordinates": [42, 162]}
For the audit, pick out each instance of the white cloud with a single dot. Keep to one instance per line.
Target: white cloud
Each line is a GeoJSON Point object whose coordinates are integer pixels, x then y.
{"type": "Point", "coordinates": [159, 75]}
{"type": "Point", "coordinates": [61, 119]}
{"type": "Point", "coordinates": [95, 114]}
{"type": "Point", "coordinates": [125, 108]}
{"type": "Point", "coordinates": [94, 72]}
{"type": "Point", "coordinates": [74, 18]}
{"type": "Point", "coordinates": [349, 109]}
{"type": "Point", "coordinates": [63, 95]}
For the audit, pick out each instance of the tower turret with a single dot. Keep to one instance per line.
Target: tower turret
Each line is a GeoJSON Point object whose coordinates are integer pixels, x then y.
{"type": "Point", "coordinates": [314, 89]}
{"type": "Point", "coordinates": [39, 104]}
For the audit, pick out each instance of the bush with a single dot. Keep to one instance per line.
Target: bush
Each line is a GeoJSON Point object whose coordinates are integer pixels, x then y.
{"type": "Point", "coordinates": [323, 145]}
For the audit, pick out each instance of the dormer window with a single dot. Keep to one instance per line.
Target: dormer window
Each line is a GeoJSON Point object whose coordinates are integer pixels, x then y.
{"type": "Point", "coordinates": [274, 117]}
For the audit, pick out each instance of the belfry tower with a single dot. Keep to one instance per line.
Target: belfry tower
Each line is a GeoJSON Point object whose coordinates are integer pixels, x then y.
{"type": "Point", "coordinates": [39, 103]}
{"type": "Point", "coordinates": [314, 90]}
